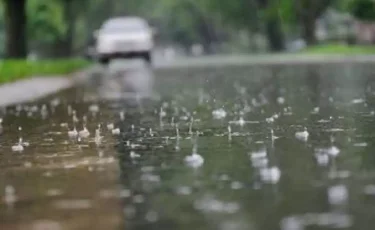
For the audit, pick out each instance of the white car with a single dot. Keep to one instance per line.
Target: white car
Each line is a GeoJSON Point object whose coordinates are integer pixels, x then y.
{"type": "Point", "coordinates": [124, 37]}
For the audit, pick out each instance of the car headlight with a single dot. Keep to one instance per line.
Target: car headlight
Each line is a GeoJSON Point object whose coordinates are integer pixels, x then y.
{"type": "Point", "coordinates": [105, 44]}
{"type": "Point", "coordinates": [144, 39]}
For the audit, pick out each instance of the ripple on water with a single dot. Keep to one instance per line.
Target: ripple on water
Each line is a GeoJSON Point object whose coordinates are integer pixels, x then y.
{"type": "Point", "coordinates": [209, 204]}
{"type": "Point", "coordinates": [336, 220]}
{"type": "Point", "coordinates": [72, 204]}
{"type": "Point", "coordinates": [54, 192]}
{"type": "Point", "coordinates": [46, 225]}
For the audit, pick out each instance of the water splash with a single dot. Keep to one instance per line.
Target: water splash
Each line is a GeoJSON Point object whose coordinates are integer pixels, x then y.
{"type": "Point", "coordinates": [302, 135]}
{"type": "Point", "coordinates": [219, 114]}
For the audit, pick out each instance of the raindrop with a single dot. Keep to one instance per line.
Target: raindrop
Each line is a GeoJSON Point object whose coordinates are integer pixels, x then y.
{"type": "Point", "coordinates": [18, 147]}
{"type": "Point", "coordinates": [73, 204]}
{"type": "Point", "coordinates": [280, 100]}
{"type": "Point", "coordinates": [116, 131]}
{"type": "Point", "coordinates": [54, 192]}
{"type": "Point", "coordinates": [224, 177]}
{"type": "Point", "coordinates": [63, 125]}
{"type": "Point", "coordinates": [55, 102]}
{"type": "Point", "coordinates": [194, 160]}
{"type": "Point", "coordinates": [270, 175]}
{"type": "Point", "coordinates": [219, 113]}
{"type": "Point", "coordinates": [369, 189]}
{"type": "Point", "coordinates": [333, 151]}
{"type": "Point", "coordinates": [73, 133]}
{"type": "Point", "coordinates": [358, 101]}
{"type": "Point", "coordinates": [122, 115]}
{"type": "Point", "coordinates": [27, 164]}
{"type": "Point", "coordinates": [44, 112]}
{"type": "Point", "coordinates": [302, 136]}
{"type": "Point", "coordinates": [10, 195]}
{"type": "Point", "coordinates": [129, 212]}
{"type": "Point", "coordinates": [84, 133]}
{"type": "Point", "coordinates": [177, 145]}
{"type": "Point", "coordinates": [183, 190]}
{"type": "Point", "coordinates": [138, 199]}
{"type": "Point", "coordinates": [94, 108]}
{"type": "Point", "coordinates": [270, 120]}
{"type": "Point", "coordinates": [363, 144]}
{"type": "Point", "coordinates": [337, 195]}
{"type": "Point", "coordinates": [46, 225]}
{"type": "Point", "coordinates": [75, 119]}
{"type": "Point", "coordinates": [172, 121]}
{"type": "Point", "coordinates": [70, 110]}
{"type": "Point", "coordinates": [110, 126]}
{"type": "Point", "coordinates": [98, 137]}
{"type": "Point", "coordinates": [191, 126]}
{"type": "Point", "coordinates": [1, 125]}
{"type": "Point", "coordinates": [125, 193]}
{"type": "Point", "coordinates": [315, 110]}
{"type": "Point", "coordinates": [152, 216]}
{"type": "Point", "coordinates": [134, 155]}
{"type": "Point", "coordinates": [322, 159]}
{"type": "Point", "coordinates": [235, 185]}
{"type": "Point", "coordinates": [177, 132]}
{"type": "Point", "coordinates": [229, 133]}
{"type": "Point", "coordinates": [292, 223]}
{"type": "Point", "coordinates": [240, 122]}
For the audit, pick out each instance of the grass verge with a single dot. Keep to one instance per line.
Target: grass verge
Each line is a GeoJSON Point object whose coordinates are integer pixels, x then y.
{"type": "Point", "coordinates": [12, 70]}
{"type": "Point", "coordinates": [340, 49]}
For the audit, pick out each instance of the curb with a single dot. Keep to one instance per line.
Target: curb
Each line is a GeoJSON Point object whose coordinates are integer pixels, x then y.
{"type": "Point", "coordinates": [38, 87]}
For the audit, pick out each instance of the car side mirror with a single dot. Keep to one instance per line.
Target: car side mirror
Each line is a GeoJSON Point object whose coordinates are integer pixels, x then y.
{"type": "Point", "coordinates": [154, 31]}
{"type": "Point", "coordinates": [96, 34]}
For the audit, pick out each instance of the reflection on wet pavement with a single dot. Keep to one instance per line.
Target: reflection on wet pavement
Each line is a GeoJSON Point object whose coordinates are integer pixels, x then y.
{"type": "Point", "coordinates": [282, 147]}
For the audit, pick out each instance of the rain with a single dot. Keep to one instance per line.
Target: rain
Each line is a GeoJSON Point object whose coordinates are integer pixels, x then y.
{"type": "Point", "coordinates": [221, 124]}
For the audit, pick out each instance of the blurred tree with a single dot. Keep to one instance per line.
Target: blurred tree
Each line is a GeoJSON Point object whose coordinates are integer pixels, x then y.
{"type": "Point", "coordinates": [15, 25]}
{"type": "Point", "coordinates": [185, 22]}
{"type": "Point", "coordinates": [362, 9]}
{"type": "Point", "coordinates": [307, 12]}
{"type": "Point", "coordinates": [273, 25]}
{"type": "Point", "coordinates": [255, 16]}
{"type": "Point", "coordinates": [45, 25]}
{"type": "Point", "coordinates": [71, 11]}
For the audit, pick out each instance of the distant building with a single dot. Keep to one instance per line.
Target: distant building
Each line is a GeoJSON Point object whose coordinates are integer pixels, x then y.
{"type": "Point", "coordinates": [365, 32]}
{"type": "Point", "coordinates": [335, 26]}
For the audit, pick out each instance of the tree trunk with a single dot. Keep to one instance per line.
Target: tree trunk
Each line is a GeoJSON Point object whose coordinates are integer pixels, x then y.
{"type": "Point", "coordinates": [66, 44]}
{"type": "Point", "coordinates": [15, 27]}
{"type": "Point", "coordinates": [275, 35]}
{"type": "Point", "coordinates": [274, 32]}
{"type": "Point", "coordinates": [308, 30]}
{"type": "Point", "coordinates": [206, 35]}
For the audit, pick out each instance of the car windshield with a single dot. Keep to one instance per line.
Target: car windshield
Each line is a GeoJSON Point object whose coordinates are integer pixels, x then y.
{"type": "Point", "coordinates": [124, 25]}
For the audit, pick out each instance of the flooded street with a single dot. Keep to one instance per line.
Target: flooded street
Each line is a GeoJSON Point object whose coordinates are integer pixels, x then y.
{"type": "Point", "coordinates": [287, 147]}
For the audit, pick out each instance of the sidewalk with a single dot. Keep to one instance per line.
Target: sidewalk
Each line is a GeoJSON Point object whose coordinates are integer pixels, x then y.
{"type": "Point", "coordinates": [36, 87]}
{"type": "Point", "coordinates": [262, 59]}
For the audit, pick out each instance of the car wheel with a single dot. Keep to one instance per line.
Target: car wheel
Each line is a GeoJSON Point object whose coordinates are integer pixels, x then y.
{"type": "Point", "coordinates": [104, 61]}
{"type": "Point", "coordinates": [147, 57]}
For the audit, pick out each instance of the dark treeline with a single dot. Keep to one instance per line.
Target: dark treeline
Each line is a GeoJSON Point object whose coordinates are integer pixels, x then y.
{"type": "Point", "coordinates": [63, 28]}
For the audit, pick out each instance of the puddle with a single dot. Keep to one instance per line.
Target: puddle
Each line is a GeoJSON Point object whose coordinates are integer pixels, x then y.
{"type": "Point", "coordinates": [240, 148]}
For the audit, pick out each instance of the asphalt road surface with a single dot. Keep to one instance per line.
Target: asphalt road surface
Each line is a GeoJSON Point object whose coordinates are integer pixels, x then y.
{"type": "Point", "coordinates": [197, 144]}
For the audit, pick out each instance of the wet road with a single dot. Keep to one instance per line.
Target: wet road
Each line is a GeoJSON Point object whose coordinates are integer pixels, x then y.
{"type": "Point", "coordinates": [227, 147]}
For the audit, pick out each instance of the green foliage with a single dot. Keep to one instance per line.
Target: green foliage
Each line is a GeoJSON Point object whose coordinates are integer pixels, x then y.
{"type": "Point", "coordinates": [46, 23]}
{"type": "Point", "coordinates": [178, 21]}
{"type": "Point", "coordinates": [339, 49]}
{"type": "Point", "coordinates": [237, 13]}
{"type": "Point", "coordinates": [11, 70]}
{"type": "Point", "coordinates": [363, 9]}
